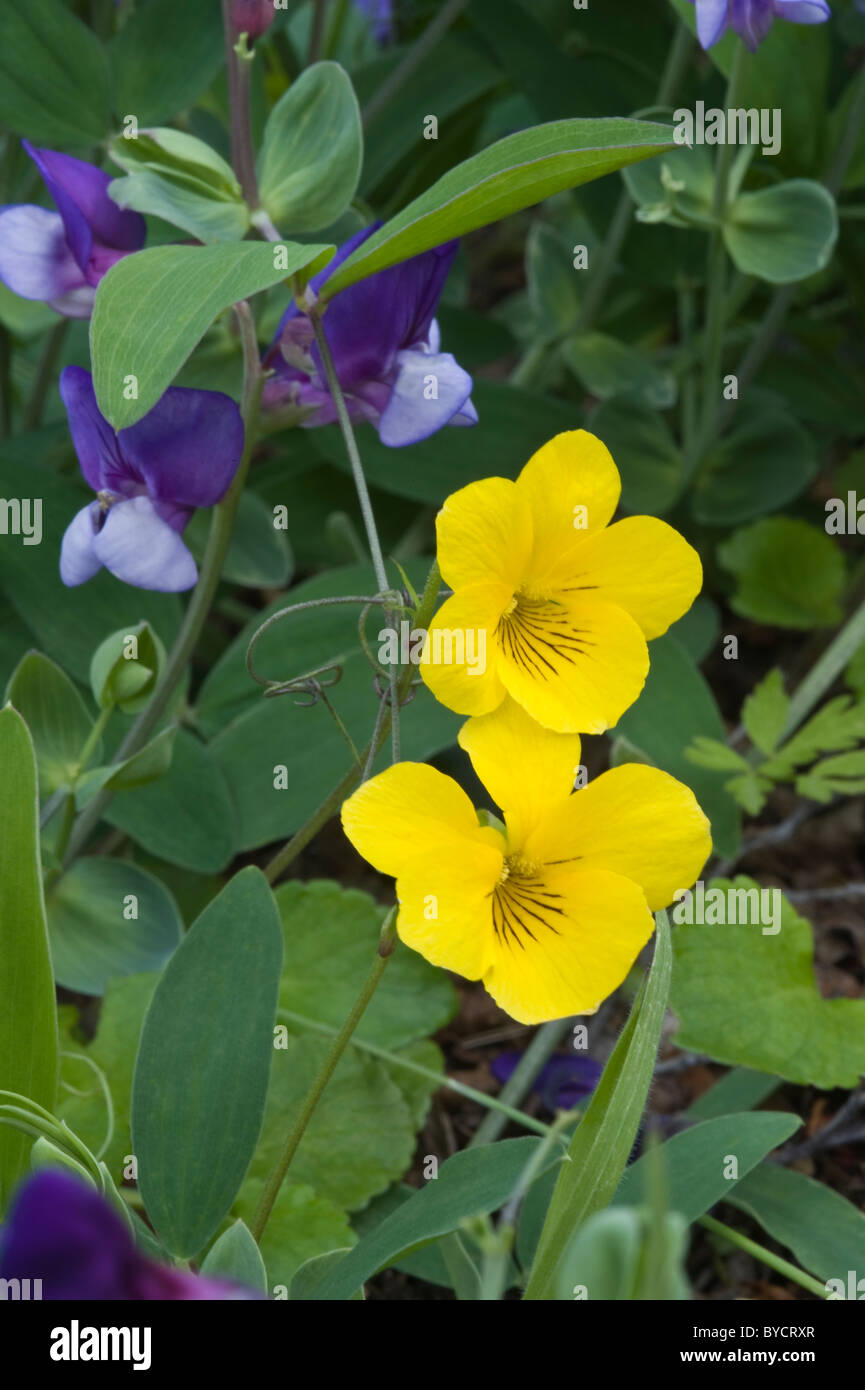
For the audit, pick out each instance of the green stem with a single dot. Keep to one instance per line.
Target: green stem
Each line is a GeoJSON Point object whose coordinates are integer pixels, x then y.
{"type": "Point", "coordinates": [274, 1182]}
{"type": "Point", "coordinates": [517, 1086]}
{"type": "Point", "coordinates": [94, 736]}
{"type": "Point", "coordinates": [416, 55]}
{"type": "Point", "coordinates": [45, 375]}
{"type": "Point", "coordinates": [316, 33]}
{"type": "Point", "coordinates": [492, 1103]}
{"type": "Point", "coordinates": [221, 528]}
{"type": "Point", "coordinates": [289, 852]}
{"type": "Point", "coordinates": [798, 1276]}
{"type": "Point", "coordinates": [830, 665]}
{"type": "Point", "coordinates": [242, 148]}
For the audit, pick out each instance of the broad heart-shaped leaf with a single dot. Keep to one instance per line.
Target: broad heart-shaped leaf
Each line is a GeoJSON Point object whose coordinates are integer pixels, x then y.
{"type": "Point", "coordinates": [696, 1162]}
{"type": "Point", "coordinates": [788, 573]}
{"type": "Point", "coordinates": [56, 716]}
{"type": "Point", "coordinates": [513, 424]}
{"type": "Point", "coordinates": [69, 624]}
{"type": "Point", "coordinates": [765, 461]}
{"type": "Point", "coordinates": [186, 816]}
{"type": "Point", "coordinates": [331, 935]}
{"type": "Point", "coordinates": [360, 1138]}
{"type": "Point", "coordinates": [153, 308]}
{"type": "Point", "coordinates": [825, 1232]}
{"type": "Point", "coordinates": [53, 75]}
{"type": "Point", "coordinates": [646, 454]}
{"type": "Point", "coordinates": [471, 1183]}
{"type": "Point", "coordinates": [204, 1061]}
{"type": "Point", "coordinates": [675, 707]}
{"type": "Point", "coordinates": [310, 161]}
{"type": "Point", "coordinates": [28, 1018]}
{"type": "Point", "coordinates": [164, 56]}
{"type": "Point", "coordinates": [749, 999]}
{"type": "Point", "coordinates": [512, 174]}
{"type": "Point", "coordinates": [107, 917]}
{"type": "Point", "coordinates": [599, 1150]}
{"type": "Point", "coordinates": [235, 1256]}
{"type": "Point", "coordinates": [784, 233]}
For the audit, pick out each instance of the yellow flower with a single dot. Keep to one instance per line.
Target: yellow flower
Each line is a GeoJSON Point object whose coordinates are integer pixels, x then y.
{"type": "Point", "coordinates": [551, 908]}
{"type": "Point", "coordinates": [559, 602]}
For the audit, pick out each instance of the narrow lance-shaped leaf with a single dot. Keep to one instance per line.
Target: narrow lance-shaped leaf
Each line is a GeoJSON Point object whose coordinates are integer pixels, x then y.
{"type": "Point", "coordinates": [28, 1017]}
{"type": "Point", "coordinates": [513, 173]}
{"type": "Point", "coordinates": [599, 1150]}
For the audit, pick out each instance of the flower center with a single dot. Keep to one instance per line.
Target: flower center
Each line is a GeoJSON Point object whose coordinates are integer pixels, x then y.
{"type": "Point", "coordinates": [522, 904]}
{"type": "Point", "coordinates": [537, 635]}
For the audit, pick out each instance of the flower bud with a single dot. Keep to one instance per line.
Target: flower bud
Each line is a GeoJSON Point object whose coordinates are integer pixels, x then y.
{"type": "Point", "coordinates": [251, 17]}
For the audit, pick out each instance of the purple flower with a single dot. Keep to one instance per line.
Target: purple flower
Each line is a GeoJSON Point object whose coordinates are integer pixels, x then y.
{"type": "Point", "coordinates": [252, 17]}
{"type": "Point", "coordinates": [380, 15]}
{"type": "Point", "coordinates": [385, 342]}
{"type": "Point", "coordinates": [62, 1232]}
{"type": "Point", "coordinates": [61, 256]}
{"type": "Point", "coordinates": [148, 479]}
{"type": "Point", "coordinates": [752, 19]}
{"type": "Point", "coordinates": [561, 1083]}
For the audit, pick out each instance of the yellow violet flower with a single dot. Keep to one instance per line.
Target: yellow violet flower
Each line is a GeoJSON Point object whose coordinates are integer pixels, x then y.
{"type": "Point", "coordinates": [559, 602]}
{"type": "Point", "coordinates": [551, 909]}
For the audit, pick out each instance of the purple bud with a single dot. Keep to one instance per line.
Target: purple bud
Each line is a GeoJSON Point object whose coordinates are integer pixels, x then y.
{"type": "Point", "coordinates": [251, 17]}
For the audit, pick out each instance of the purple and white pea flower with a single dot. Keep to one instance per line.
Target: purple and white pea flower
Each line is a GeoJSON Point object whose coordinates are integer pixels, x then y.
{"type": "Point", "coordinates": [64, 1234]}
{"type": "Point", "coordinates": [148, 481]}
{"type": "Point", "coordinates": [752, 19]}
{"type": "Point", "coordinates": [61, 256]}
{"type": "Point", "coordinates": [385, 345]}
{"type": "Point", "coordinates": [381, 18]}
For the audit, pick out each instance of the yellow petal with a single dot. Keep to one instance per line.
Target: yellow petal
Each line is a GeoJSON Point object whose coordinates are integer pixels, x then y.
{"type": "Point", "coordinates": [645, 567]}
{"type": "Point", "coordinates": [574, 665]}
{"type": "Point", "coordinates": [459, 660]}
{"type": "Point", "coordinates": [587, 930]}
{"type": "Point", "coordinates": [525, 767]}
{"type": "Point", "coordinates": [445, 906]}
{"type": "Point", "coordinates": [484, 533]}
{"type": "Point", "coordinates": [633, 820]}
{"type": "Point", "coordinates": [572, 488]}
{"type": "Point", "coordinates": [409, 810]}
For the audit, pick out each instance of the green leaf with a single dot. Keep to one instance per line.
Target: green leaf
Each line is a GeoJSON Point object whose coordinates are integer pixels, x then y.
{"type": "Point", "coordinates": [765, 461]}
{"type": "Point", "coordinates": [614, 1257]}
{"type": "Point", "coordinates": [609, 368]}
{"type": "Point", "coordinates": [331, 935]}
{"type": "Point", "coordinates": [697, 1161]}
{"type": "Point", "coordinates": [28, 1019]}
{"type": "Point", "coordinates": [513, 425]}
{"type": "Point", "coordinates": [784, 233]}
{"type": "Point", "coordinates": [203, 1064]}
{"type": "Point", "coordinates": [152, 309]}
{"type": "Point", "coordinates": [187, 816]}
{"type": "Point", "coordinates": [310, 162]}
{"type": "Point", "coordinates": [471, 1183]}
{"type": "Point", "coordinates": [854, 676]}
{"type": "Point", "coordinates": [789, 573]}
{"type": "Point", "coordinates": [765, 711]}
{"type": "Point", "coordinates": [551, 280]}
{"type": "Point", "coordinates": [259, 555]}
{"type": "Point", "coordinates": [839, 725]}
{"type": "Point", "coordinates": [302, 1226]}
{"type": "Point", "coordinates": [675, 708]}
{"type": "Point", "coordinates": [711, 753]}
{"type": "Point", "coordinates": [69, 623]}
{"type": "Point", "coordinates": [164, 56]}
{"type": "Point", "coordinates": [126, 667]}
{"type": "Point", "coordinates": [179, 178]}
{"type": "Point", "coordinates": [749, 999]}
{"type": "Point", "coordinates": [646, 454]}
{"type": "Point", "coordinates": [147, 765]}
{"type": "Point", "coordinates": [56, 716]}
{"type": "Point", "coordinates": [600, 1148]}
{"type": "Point", "coordinates": [360, 1137]}
{"type": "Point", "coordinates": [737, 1090]}
{"type": "Point", "coordinates": [825, 1232]}
{"type": "Point", "coordinates": [54, 87]}
{"type": "Point", "coordinates": [674, 189]}
{"type": "Point", "coordinates": [514, 173]}
{"type": "Point", "coordinates": [842, 775]}
{"type": "Point", "coordinates": [235, 1256]}
{"type": "Point", "coordinates": [107, 917]}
